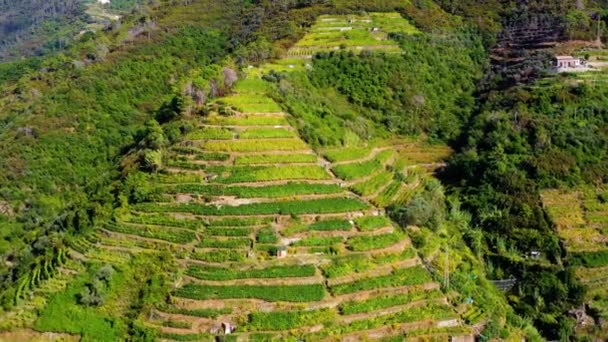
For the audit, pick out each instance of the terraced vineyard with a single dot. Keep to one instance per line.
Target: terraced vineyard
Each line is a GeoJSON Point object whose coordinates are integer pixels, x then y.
{"type": "Point", "coordinates": [354, 33]}
{"type": "Point", "coordinates": [581, 218]}
{"type": "Point", "coordinates": [269, 241]}
{"type": "Point", "coordinates": [390, 172]}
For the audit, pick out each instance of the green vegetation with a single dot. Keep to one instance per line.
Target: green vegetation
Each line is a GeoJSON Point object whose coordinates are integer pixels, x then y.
{"type": "Point", "coordinates": [275, 159]}
{"type": "Point", "coordinates": [224, 243]}
{"type": "Point", "coordinates": [357, 170]}
{"type": "Point", "coordinates": [220, 273]}
{"type": "Point", "coordinates": [373, 185]}
{"type": "Point", "coordinates": [346, 154]}
{"type": "Point", "coordinates": [267, 321]}
{"type": "Point", "coordinates": [273, 173]}
{"type": "Point", "coordinates": [248, 120]}
{"type": "Point", "coordinates": [270, 191]}
{"type": "Point", "coordinates": [291, 293]}
{"type": "Point", "coordinates": [317, 206]}
{"type": "Point", "coordinates": [220, 255]}
{"type": "Point", "coordinates": [318, 241]}
{"type": "Point", "coordinates": [377, 303]}
{"type": "Point", "coordinates": [167, 234]}
{"type": "Point", "coordinates": [402, 277]}
{"type": "Point", "coordinates": [369, 242]}
{"type": "Point", "coordinates": [266, 133]}
{"type": "Point", "coordinates": [368, 223]}
{"type": "Point", "coordinates": [206, 313]}
{"type": "Point", "coordinates": [327, 225]}
{"type": "Point", "coordinates": [266, 235]}
{"type": "Point", "coordinates": [211, 133]}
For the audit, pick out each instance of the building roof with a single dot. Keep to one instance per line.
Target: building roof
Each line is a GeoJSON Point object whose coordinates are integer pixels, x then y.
{"type": "Point", "coordinates": [559, 58]}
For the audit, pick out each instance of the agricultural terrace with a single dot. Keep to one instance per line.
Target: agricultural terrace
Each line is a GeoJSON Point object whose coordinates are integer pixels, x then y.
{"type": "Point", "coordinates": [581, 219]}
{"type": "Point", "coordinates": [387, 172]}
{"type": "Point", "coordinates": [352, 32]}
{"type": "Point", "coordinates": [269, 240]}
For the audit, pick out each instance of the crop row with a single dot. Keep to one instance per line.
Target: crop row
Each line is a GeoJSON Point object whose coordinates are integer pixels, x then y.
{"type": "Point", "coordinates": [373, 184]}
{"type": "Point", "coordinates": [213, 133]}
{"type": "Point", "coordinates": [590, 259]}
{"type": "Point", "coordinates": [315, 206]}
{"type": "Point", "coordinates": [327, 225]}
{"type": "Point", "coordinates": [164, 220]}
{"type": "Point", "coordinates": [363, 243]}
{"type": "Point", "coordinates": [318, 241]}
{"type": "Point", "coordinates": [238, 222]}
{"type": "Point", "coordinates": [359, 263]}
{"type": "Point", "coordinates": [250, 120]}
{"type": "Point", "coordinates": [347, 154]}
{"type": "Point", "coordinates": [175, 236]}
{"type": "Point", "coordinates": [292, 293]}
{"type": "Point", "coordinates": [357, 170]}
{"type": "Point", "coordinates": [368, 223]}
{"type": "Point", "coordinates": [275, 159]}
{"type": "Point", "coordinates": [266, 235]}
{"type": "Point", "coordinates": [210, 242]}
{"type": "Point", "coordinates": [420, 313]}
{"type": "Point", "coordinates": [206, 313]}
{"type": "Point", "coordinates": [220, 255]}
{"type": "Point", "coordinates": [402, 277]}
{"type": "Point", "coordinates": [222, 273]}
{"type": "Point", "coordinates": [266, 133]}
{"type": "Point", "coordinates": [271, 191]}
{"type": "Point", "coordinates": [382, 302]}
{"type": "Point", "coordinates": [287, 320]}
{"type": "Point", "coordinates": [255, 145]}
{"type": "Point", "coordinates": [228, 231]}
{"type": "Point", "coordinates": [274, 173]}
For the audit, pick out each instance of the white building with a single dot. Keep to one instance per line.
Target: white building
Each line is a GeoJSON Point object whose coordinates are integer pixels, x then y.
{"type": "Point", "coordinates": [568, 62]}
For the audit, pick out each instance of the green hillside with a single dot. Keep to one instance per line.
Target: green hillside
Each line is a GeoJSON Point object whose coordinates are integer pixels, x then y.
{"type": "Point", "coordinates": [302, 171]}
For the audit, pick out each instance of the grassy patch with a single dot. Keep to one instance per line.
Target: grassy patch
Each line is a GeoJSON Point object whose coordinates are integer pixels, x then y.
{"type": "Point", "coordinates": [266, 235]}
{"type": "Point", "coordinates": [318, 241]}
{"type": "Point", "coordinates": [327, 225]}
{"type": "Point", "coordinates": [372, 185]}
{"type": "Point", "coordinates": [357, 170]}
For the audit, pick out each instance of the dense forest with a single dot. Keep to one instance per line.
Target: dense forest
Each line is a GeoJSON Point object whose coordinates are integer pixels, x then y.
{"type": "Point", "coordinates": [75, 120]}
